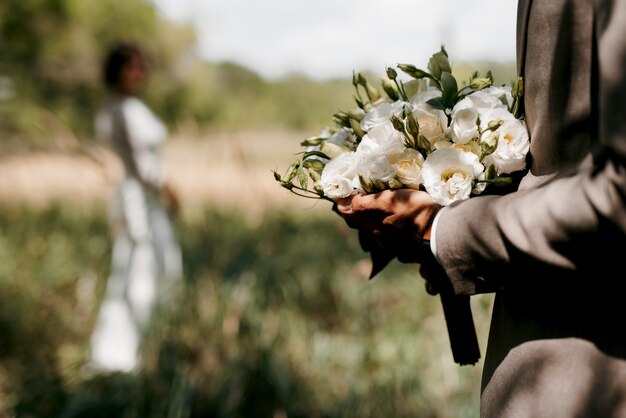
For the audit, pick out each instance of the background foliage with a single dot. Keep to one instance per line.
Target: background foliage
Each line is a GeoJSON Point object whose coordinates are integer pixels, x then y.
{"type": "Point", "coordinates": [52, 51]}
{"type": "Point", "coordinates": [274, 319]}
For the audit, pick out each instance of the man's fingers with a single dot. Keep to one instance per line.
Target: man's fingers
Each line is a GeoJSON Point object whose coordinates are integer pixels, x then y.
{"type": "Point", "coordinates": [431, 289]}
{"type": "Point", "coordinates": [344, 205]}
{"type": "Point", "coordinates": [374, 202]}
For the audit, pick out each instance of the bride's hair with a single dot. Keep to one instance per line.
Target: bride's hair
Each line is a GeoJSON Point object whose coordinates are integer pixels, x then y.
{"type": "Point", "coordinates": [118, 56]}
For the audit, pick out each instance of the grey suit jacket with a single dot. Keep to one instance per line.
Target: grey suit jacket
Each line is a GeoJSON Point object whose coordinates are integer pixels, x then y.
{"type": "Point", "coordinates": [555, 250]}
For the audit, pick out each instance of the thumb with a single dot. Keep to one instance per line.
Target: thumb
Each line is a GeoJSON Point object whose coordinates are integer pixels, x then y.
{"type": "Point", "coordinates": [344, 205]}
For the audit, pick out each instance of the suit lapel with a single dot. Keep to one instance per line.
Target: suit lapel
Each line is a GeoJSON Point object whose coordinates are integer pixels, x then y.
{"type": "Point", "coordinates": [523, 11]}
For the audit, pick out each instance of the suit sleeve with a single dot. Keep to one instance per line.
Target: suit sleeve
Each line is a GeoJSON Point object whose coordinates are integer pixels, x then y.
{"type": "Point", "coordinates": [570, 225]}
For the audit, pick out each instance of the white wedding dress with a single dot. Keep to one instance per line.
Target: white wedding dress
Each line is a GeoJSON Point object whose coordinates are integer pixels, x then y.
{"type": "Point", "coordinates": [146, 257]}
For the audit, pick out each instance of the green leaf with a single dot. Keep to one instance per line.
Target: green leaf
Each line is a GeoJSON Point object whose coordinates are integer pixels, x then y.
{"type": "Point", "coordinates": [503, 99]}
{"type": "Point", "coordinates": [315, 154]}
{"type": "Point", "coordinates": [450, 89]}
{"type": "Point", "coordinates": [437, 103]}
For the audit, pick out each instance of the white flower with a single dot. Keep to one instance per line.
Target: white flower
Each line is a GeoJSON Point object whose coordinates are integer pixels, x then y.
{"type": "Point", "coordinates": [464, 126]}
{"type": "Point", "coordinates": [480, 100]}
{"type": "Point", "coordinates": [433, 123]}
{"type": "Point", "coordinates": [513, 145]}
{"type": "Point", "coordinates": [448, 175]}
{"type": "Point", "coordinates": [382, 139]}
{"type": "Point", "coordinates": [408, 165]}
{"type": "Point", "coordinates": [496, 114]}
{"type": "Point", "coordinates": [381, 113]}
{"type": "Point", "coordinates": [338, 143]}
{"type": "Point", "coordinates": [374, 151]}
{"type": "Point", "coordinates": [339, 177]}
{"type": "Point", "coordinates": [376, 166]}
{"type": "Point", "coordinates": [472, 146]}
{"type": "Point", "coordinates": [423, 95]}
{"type": "Point", "coordinates": [334, 144]}
{"type": "Point", "coordinates": [342, 137]}
{"type": "Point", "coordinates": [501, 93]}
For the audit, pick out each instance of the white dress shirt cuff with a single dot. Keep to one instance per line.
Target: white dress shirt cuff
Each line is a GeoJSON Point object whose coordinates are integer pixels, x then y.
{"type": "Point", "coordinates": [433, 235]}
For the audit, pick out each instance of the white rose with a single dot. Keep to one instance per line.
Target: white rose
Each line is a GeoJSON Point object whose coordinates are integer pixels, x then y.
{"type": "Point", "coordinates": [408, 165]}
{"type": "Point", "coordinates": [501, 93]}
{"type": "Point", "coordinates": [464, 126]}
{"type": "Point", "coordinates": [424, 95]}
{"type": "Point", "coordinates": [433, 123]}
{"type": "Point", "coordinates": [381, 114]}
{"type": "Point", "coordinates": [513, 145]}
{"type": "Point", "coordinates": [496, 114]}
{"type": "Point", "coordinates": [339, 177]}
{"type": "Point", "coordinates": [472, 146]}
{"type": "Point", "coordinates": [376, 167]}
{"type": "Point", "coordinates": [480, 100]}
{"type": "Point", "coordinates": [336, 144]}
{"type": "Point", "coordinates": [448, 175]}
{"type": "Point", "coordinates": [382, 139]}
{"type": "Point", "coordinates": [342, 137]}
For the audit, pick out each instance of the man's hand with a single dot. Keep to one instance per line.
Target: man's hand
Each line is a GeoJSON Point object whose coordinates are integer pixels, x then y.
{"type": "Point", "coordinates": [398, 220]}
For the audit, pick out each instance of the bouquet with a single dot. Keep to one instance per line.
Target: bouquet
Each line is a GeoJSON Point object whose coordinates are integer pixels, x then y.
{"type": "Point", "coordinates": [425, 133]}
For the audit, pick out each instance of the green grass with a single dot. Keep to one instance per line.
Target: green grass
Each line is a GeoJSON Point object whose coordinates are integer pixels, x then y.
{"type": "Point", "coordinates": [276, 319]}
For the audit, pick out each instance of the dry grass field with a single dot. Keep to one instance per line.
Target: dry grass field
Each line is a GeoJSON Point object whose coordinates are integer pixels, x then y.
{"type": "Point", "coordinates": [229, 169]}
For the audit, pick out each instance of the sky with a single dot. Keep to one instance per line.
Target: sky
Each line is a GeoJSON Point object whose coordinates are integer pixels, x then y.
{"type": "Point", "coordinates": [332, 38]}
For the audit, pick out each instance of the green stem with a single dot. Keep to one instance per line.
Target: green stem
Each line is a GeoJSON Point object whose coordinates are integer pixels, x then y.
{"type": "Point", "coordinates": [401, 90]}
{"type": "Point", "coordinates": [319, 196]}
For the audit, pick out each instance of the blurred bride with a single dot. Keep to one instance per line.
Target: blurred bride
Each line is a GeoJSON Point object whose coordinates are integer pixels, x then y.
{"type": "Point", "coordinates": [146, 257]}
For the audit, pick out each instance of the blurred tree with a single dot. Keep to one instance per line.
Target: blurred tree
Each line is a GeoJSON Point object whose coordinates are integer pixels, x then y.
{"type": "Point", "coordinates": [52, 52]}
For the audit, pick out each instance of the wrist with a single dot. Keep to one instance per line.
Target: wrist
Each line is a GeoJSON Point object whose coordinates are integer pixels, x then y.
{"type": "Point", "coordinates": [433, 233]}
{"type": "Point", "coordinates": [428, 231]}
